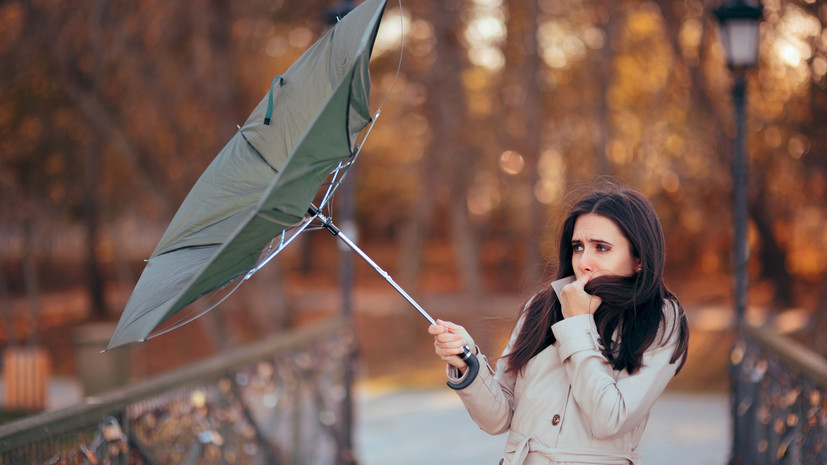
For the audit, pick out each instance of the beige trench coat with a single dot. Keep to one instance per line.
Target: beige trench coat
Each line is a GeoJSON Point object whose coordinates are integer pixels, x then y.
{"type": "Point", "coordinates": [568, 405]}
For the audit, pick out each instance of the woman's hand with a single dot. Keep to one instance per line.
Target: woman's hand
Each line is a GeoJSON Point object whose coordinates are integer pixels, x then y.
{"type": "Point", "coordinates": [574, 299]}
{"type": "Point", "coordinates": [449, 338]}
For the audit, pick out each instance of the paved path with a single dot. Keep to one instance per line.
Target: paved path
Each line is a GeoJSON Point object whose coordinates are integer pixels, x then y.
{"type": "Point", "coordinates": [412, 427]}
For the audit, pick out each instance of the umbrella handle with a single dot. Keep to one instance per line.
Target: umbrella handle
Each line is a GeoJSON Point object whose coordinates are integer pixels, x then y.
{"type": "Point", "coordinates": [473, 368]}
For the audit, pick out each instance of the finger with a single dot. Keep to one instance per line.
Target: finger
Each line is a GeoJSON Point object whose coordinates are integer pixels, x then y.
{"type": "Point", "coordinates": [452, 327]}
{"type": "Point", "coordinates": [450, 342]}
{"type": "Point", "coordinates": [457, 363]}
{"type": "Point", "coordinates": [447, 353]}
{"type": "Point", "coordinates": [443, 341]}
{"type": "Point", "coordinates": [451, 349]}
{"type": "Point", "coordinates": [574, 286]}
{"type": "Point", "coordinates": [571, 290]}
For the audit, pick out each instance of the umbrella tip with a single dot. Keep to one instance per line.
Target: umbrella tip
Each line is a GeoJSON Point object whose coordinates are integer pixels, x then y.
{"type": "Point", "coordinates": [336, 12]}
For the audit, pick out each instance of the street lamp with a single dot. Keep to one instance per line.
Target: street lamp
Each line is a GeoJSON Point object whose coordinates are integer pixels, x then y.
{"type": "Point", "coordinates": [738, 24]}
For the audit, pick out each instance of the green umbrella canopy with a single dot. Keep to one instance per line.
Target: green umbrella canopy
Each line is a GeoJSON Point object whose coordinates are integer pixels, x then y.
{"type": "Point", "coordinates": [261, 184]}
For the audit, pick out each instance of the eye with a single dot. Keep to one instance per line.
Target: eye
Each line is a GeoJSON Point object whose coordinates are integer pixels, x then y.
{"type": "Point", "coordinates": [576, 246]}
{"type": "Point", "coordinates": [603, 248]}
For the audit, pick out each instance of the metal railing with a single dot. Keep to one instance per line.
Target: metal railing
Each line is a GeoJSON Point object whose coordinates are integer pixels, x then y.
{"type": "Point", "coordinates": [779, 400]}
{"type": "Point", "coordinates": [281, 400]}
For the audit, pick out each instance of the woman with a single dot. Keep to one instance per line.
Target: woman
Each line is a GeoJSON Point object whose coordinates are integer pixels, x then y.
{"type": "Point", "coordinates": [591, 352]}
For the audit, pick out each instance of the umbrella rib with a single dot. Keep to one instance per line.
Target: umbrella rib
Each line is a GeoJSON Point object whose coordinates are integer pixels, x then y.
{"type": "Point", "coordinates": [301, 225]}
{"type": "Point", "coordinates": [263, 215]}
{"type": "Point", "coordinates": [185, 247]}
{"type": "Point", "coordinates": [276, 171]}
{"type": "Point", "coordinates": [184, 319]}
{"type": "Point", "coordinates": [347, 111]}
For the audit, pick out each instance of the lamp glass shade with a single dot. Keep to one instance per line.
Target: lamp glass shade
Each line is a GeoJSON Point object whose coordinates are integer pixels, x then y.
{"type": "Point", "coordinates": [740, 37]}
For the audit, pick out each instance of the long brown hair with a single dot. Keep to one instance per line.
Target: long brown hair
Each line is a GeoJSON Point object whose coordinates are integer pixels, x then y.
{"type": "Point", "coordinates": [632, 308]}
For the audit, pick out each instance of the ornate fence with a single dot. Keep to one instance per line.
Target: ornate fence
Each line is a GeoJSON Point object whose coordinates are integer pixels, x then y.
{"type": "Point", "coordinates": [779, 406]}
{"type": "Point", "coordinates": [283, 400]}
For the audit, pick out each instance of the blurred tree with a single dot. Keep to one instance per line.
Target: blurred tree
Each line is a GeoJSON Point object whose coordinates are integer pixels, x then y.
{"type": "Point", "coordinates": [6, 312]}
{"type": "Point", "coordinates": [610, 17]}
{"type": "Point", "coordinates": [786, 147]}
{"type": "Point", "coordinates": [448, 165]}
{"type": "Point", "coordinates": [523, 133]}
{"type": "Point", "coordinates": [127, 98]}
{"type": "Point", "coordinates": [447, 107]}
{"type": "Point", "coordinates": [419, 224]}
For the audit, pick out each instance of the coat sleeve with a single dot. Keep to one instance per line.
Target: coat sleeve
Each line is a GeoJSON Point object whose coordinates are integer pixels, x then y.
{"type": "Point", "coordinates": [489, 399]}
{"type": "Point", "coordinates": [614, 406]}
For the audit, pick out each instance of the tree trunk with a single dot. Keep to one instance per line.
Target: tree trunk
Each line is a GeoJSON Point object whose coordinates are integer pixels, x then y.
{"type": "Point", "coordinates": [6, 308]}
{"type": "Point", "coordinates": [773, 257]}
{"type": "Point", "coordinates": [447, 105]}
{"type": "Point", "coordinates": [604, 61]}
{"type": "Point", "coordinates": [522, 132]}
{"type": "Point", "coordinates": [418, 227]}
{"type": "Point", "coordinates": [268, 306]}
{"type": "Point", "coordinates": [531, 148]}
{"type": "Point", "coordinates": [446, 167]}
{"type": "Point", "coordinates": [95, 282]}
{"type": "Point", "coordinates": [107, 126]}
{"type": "Point", "coordinates": [31, 282]}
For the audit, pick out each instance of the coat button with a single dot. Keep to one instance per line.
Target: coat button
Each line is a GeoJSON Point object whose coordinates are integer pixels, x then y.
{"type": "Point", "coordinates": [555, 420]}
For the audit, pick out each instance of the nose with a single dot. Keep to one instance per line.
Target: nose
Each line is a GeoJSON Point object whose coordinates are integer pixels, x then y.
{"type": "Point", "coordinates": [585, 263]}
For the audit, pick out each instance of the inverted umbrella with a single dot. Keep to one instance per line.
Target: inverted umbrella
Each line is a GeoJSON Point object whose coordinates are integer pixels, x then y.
{"type": "Point", "coordinates": [256, 196]}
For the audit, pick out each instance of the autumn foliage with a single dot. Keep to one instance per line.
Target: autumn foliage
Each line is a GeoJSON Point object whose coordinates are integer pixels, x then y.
{"type": "Point", "coordinates": [498, 110]}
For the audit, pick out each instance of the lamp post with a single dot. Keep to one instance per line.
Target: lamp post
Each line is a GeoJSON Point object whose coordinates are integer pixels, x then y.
{"type": "Point", "coordinates": [738, 25]}
{"type": "Point", "coordinates": [346, 454]}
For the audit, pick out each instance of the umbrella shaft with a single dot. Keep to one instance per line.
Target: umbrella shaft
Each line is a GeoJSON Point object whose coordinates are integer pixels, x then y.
{"type": "Point", "coordinates": [328, 224]}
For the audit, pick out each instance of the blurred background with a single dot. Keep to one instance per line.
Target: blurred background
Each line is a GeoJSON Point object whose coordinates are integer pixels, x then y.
{"type": "Point", "coordinates": [498, 114]}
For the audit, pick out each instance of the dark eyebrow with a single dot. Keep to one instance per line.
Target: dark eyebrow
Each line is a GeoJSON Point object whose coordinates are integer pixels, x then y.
{"type": "Point", "coordinates": [601, 241]}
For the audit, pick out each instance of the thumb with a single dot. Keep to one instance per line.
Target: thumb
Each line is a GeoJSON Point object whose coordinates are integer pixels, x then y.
{"type": "Point", "coordinates": [583, 280]}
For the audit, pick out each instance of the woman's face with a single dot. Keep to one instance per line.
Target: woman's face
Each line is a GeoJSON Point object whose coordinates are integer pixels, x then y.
{"type": "Point", "coordinates": [599, 248]}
